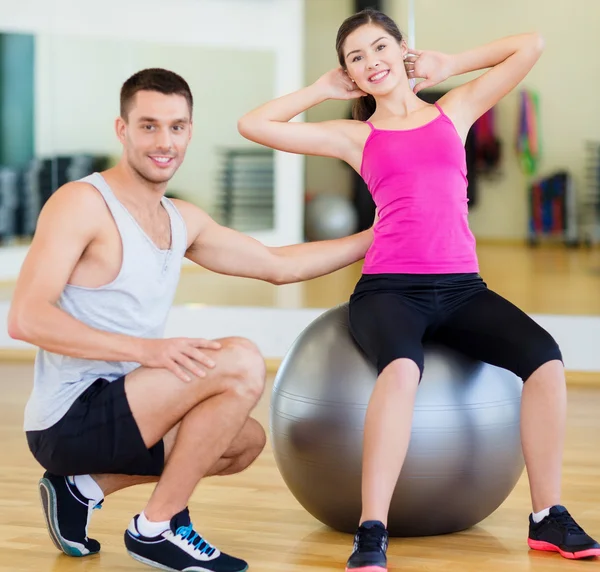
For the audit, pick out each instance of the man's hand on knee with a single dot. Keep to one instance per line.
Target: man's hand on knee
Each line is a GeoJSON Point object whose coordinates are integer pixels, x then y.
{"type": "Point", "coordinates": [178, 355]}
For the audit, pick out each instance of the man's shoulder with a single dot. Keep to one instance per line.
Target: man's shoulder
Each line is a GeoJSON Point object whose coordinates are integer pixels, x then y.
{"type": "Point", "coordinates": [194, 217]}
{"type": "Point", "coordinates": [81, 193]}
{"type": "Point", "coordinates": [196, 220]}
{"type": "Point", "coordinates": [77, 203]}
{"type": "Point", "coordinates": [186, 208]}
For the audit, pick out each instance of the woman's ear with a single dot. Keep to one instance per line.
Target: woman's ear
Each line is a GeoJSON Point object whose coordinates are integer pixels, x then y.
{"type": "Point", "coordinates": [346, 72]}
{"type": "Point", "coordinates": [404, 49]}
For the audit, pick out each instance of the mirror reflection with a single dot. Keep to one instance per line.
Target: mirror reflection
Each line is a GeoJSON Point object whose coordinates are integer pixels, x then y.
{"type": "Point", "coordinates": [59, 100]}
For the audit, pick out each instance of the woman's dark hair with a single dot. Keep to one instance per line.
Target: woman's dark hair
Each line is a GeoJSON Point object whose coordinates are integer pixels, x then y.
{"type": "Point", "coordinates": [364, 107]}
{"type": "Point", "coordinates": [154, 79]}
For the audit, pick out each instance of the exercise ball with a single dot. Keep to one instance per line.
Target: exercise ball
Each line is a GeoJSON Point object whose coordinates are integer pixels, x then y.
{"type": "Point", "coordinates": [329, 217]}
{"type": "Point", "coordinates": [464, 456]}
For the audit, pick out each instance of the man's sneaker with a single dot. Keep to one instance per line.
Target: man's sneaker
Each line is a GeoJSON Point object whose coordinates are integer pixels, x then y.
{"type": "Point", "coordinates": [370, 545]}
{"type": "Point", "coordinates": [179, 548]}
{"type": "Point", "coordinates": [67, 514]}
{"type": "Point", "coordinates": [558, 532]}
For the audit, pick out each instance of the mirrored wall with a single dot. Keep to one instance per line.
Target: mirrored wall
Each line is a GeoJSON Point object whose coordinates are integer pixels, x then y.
{"type": "Point", "coordinates": [60, 97]}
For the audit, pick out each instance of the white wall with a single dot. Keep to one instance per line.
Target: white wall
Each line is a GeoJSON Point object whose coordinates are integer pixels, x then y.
{"type": "Point", "coordinates": [233, 24]}
{"type": "Point", "coordinates": [567, 78]}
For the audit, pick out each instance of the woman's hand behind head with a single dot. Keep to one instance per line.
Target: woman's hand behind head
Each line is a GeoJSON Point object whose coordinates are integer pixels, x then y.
{"type": "Point", "coordinates": [337, 85]}
{"type": "Point", "coordinates": [432, 67]}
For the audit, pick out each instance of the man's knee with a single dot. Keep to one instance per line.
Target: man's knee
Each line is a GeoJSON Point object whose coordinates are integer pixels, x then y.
{"type": "Point", "coordinates": [246, 366]}
{"type": "Point", "coordinates": [256, 441]}
{"type": "Point", "coordinates": [237, 342]}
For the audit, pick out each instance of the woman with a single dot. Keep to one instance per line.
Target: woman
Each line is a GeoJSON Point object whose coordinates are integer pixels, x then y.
{"type": "Point", "coordinates": [420, 278]}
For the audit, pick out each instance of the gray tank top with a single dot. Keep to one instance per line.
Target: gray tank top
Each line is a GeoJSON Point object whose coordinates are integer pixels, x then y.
{"type": "Point", "coordinates": [135, 303]}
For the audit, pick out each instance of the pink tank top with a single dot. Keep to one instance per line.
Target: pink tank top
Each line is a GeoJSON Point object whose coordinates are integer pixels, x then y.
{"type": "Point", "coordinates": [418, 180]}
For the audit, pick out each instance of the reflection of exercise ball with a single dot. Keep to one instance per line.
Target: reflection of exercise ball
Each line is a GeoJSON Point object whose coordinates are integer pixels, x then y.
{"type": "Point", "coordinates": [464, 456]}
{"type": "Point", "coordinates": [329, 217]}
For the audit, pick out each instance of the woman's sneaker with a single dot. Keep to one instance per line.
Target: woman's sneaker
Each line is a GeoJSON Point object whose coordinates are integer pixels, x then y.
{"type": "Point", "coordinates": [67, 514]}
{"type": "Point", "coordinates": [179, 548]}
{"type": "Point", "coordinates": [370, 546]}
{"type": "Point", "coordinates": [558, 532]}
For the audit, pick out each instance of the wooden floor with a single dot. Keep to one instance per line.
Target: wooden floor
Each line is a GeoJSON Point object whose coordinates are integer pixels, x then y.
{"type": "Point", "coordinates": [254, 516]}
{"type": "Point", "coordinates": [540, 281]}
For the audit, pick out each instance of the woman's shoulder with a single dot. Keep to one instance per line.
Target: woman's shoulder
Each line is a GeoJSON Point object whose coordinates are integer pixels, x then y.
{"type": "Point", "coordinates": [349, 125]}
{"type": "Point", "coordinates": [355, 130]}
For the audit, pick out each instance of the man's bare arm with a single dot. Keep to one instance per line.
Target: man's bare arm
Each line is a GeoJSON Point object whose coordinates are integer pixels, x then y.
{"type": "Point", "coordinates": [68, 223]}
{"type": "Point", "coordinates": [227, 251]}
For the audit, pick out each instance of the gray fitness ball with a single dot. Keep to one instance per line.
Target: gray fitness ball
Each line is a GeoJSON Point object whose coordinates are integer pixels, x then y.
{"type": "Point", "coordinates": [464, 457]}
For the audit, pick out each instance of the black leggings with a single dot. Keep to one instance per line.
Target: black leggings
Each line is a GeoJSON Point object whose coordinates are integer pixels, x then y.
{"type": "Point", "coordinates": [392, 315]}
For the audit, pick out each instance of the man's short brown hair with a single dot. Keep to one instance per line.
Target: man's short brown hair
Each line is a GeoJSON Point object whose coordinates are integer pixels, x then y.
{"type": "Point", "coordinates": [154, 79]}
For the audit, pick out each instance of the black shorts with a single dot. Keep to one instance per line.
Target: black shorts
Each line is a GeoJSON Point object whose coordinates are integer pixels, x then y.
{"type": "Point", "coordinates": [97, 435]}
{"type": "Point", "coordinates": [392, 315]}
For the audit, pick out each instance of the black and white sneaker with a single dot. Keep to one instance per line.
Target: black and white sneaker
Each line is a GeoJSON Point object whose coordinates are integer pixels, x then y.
{"type": "Point", "coordinates": [68, 515]}
{"type": "Point", "coordinates": [370, 547]}
{"type": "Point", "coordinates": [179, 548]}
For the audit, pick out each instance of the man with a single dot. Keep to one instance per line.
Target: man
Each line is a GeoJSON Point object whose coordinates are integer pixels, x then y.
{"type": "Point", "coordinates": [114, 404]}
